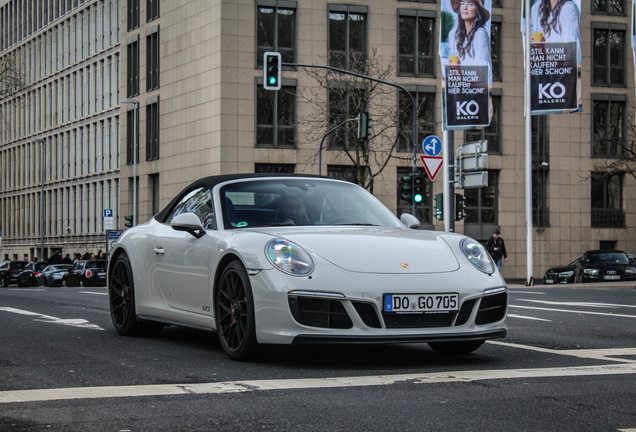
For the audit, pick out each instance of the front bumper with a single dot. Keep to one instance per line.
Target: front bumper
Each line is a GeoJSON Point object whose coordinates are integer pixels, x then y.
{"type": "Point", "coordinates": [346, 307]}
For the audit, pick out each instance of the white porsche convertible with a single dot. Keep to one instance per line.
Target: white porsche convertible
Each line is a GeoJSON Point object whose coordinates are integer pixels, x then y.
{"type": "Point", "coordinates": [292, 259]}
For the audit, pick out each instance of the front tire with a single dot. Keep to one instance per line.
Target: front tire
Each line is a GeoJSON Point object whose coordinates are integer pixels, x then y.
{"type": "Point", "coordinates": [121, 296]}
{"type": "Point", "coordinates": [234, 311]}
{"type": "Point", "coordinates": [456, 348]}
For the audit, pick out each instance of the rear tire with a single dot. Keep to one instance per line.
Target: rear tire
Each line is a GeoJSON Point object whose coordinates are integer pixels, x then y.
{"type": "Point", "coordinates": [121, 296]}
{"type": "Point", "coordinates": [456, 348]}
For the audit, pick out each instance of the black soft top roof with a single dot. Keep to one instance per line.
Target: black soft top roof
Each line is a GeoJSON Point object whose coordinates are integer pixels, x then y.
{"type": "Point", "coordinates": [211, 181]}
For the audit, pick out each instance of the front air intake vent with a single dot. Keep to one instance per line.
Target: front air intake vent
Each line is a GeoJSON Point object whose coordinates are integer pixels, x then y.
{"type": "Point", "coordinates": [315, 312]}
{"type": "Point", "coordinates": [492, 309]}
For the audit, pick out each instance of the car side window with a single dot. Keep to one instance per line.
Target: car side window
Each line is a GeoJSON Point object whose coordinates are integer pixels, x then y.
{"type": "Point", "coordinates": [199, 201]}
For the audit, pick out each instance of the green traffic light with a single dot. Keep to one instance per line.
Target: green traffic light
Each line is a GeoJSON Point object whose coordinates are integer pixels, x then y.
{"type": "Point", "coordinates": [272, 80]}
{"type": "Point", "coordinates": [417, 198]}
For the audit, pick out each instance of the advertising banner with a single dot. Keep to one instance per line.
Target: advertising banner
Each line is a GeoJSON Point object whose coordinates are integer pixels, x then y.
{"type": "Point", "coordinates": [634, 40]}
{"type": "Point", "coordinates": [555, 55]}
{"type": "Point", "coordinates": [466, 64]}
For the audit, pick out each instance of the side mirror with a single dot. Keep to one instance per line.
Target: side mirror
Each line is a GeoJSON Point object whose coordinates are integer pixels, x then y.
{"type": "Point", "coordinates": [410, 221]}
{"type": "Point", "coordinates": [188, 222]}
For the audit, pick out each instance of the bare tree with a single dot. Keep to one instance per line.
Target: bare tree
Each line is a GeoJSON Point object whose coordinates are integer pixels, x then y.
{"type": "Point", "coordinates": [12, 78]}
{"type": "Point", "coordinates": [622, 151]}
{"type": "Point", "coordinates": [340, 97]}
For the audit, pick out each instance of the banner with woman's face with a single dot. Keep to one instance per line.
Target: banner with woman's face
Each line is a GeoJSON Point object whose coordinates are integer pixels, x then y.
{"type": "Point", "coordinates": [555, 55]}
{"type": "Point", "coordinates": [466, 64]}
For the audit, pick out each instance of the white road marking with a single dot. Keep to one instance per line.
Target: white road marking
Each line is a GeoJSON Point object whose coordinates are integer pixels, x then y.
{"type": "Point", "coordinates": [94, 293]}
{"type": "Point", "coordinates": [78, 322]}
{"type": "Point", "coordinates": [573, 311]}
{"type": "Point", "coordinates": [527, 317]}
{"type": "Point", "coordinates": [606, 354]}
{"type": "Point", "coordinates": [27, 289]}
{"type": "Point", "coordinates": [527, 292]}
{"type": "Point", "coordinates": [583, 304]}
{"type": "Point", "coordinates": [39, 395]}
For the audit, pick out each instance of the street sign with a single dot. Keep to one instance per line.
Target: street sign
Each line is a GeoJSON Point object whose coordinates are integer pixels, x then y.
{"type": "Point", "coordinates": [108, 219]}
{"type": "Point", "coordinates": [432, 165]}
{"type": "Point", "coordinates": [432, 145]}
{"type": "Point", "coordinates": [112, 237]}
{"type": "Point", "coordinates": [475, 163]}
{"type": "Point", "coordinates": [471, 180]}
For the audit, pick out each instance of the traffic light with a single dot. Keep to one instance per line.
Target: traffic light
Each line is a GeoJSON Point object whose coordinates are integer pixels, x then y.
{"type": "Point", "coordinates": [418, 189]}
{"type": "Point", "coordinates": [439, 206]}
{"type": "Point", "coordinates": [406, 190]}
{"type": "Point", "coordinates": [459, 207]}
{"type": "Point", "coordinates": [129, 221]}
{"type": "Point", "coordinates": [364, 125]}
{"type": "Point", "coordinates": [271, 70]}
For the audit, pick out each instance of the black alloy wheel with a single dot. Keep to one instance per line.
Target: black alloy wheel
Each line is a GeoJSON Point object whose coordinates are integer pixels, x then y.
{"type": "Point", "coordinates": [234, 310]}
{"type": "Point", "coordinates": [121, 295]}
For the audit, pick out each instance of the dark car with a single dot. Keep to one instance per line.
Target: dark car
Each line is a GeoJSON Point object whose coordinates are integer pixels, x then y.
{"type": "Point", "coordinates": [86, 273]}
{"type": "Point", "coordinates": [28, 275]}
{"type": "Point", "coordinates": [53, 274]}
{"type": "Point", "coordinates": [594, 266]}
{"type": "Point", "coordinates": [9, 272]}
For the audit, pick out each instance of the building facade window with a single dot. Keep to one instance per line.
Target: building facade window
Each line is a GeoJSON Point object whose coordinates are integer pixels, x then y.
{"type": "Point", "coordinates": [495, 47]}
{"type": "Point", "coordinates": [540, 170]}
{"type": "Point", "coordinates": [152, 131]}
{"type": "Point", "coordinates": [608, 126]}
{"type": "Point", "coordinates": [276, 117]}
{"type": "Point", "coordinates": [425, 98]}
{"type": "Point", "coordinates": [130, 138]}
{"type": "Point", "coordinates": [347, 34]}
{"type": "Point", "coordinates": [423, 210]}
{"type": "Point", "coordinates": [132, 69]}
{"type": "Point", "coordinates": [276, 29]}
{"type": "Point", "coordinates": [607, 200]}
{"type": "Point", "coordinates": [344, 103]}
{"type": "Point", "coordinates": [609, 7]}
{"type": "Point", "coordinates": [481, 203]}
{"type": "Point", "coordinates": [271, 168]}
{"type": "Point", "coordinates": [152, 10]}
{"type": "Point", "coordinates": [608, 54]}
{"type": "Point", "coordinates": [152, 61]}
{"type": "Point", "coordinates": [491, 133]}
{"type": "Point", "coordinates": [153, 182]}
{"type": "Point", "coordinates": [343, 172]}
{"type": "Point", "coordinates": [416, 42]}
{"type": "Point", "coordinates": [132, 9]}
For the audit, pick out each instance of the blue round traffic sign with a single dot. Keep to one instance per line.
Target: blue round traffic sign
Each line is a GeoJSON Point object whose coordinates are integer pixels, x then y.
{"type": "Point", "coordinates": [432, 145]}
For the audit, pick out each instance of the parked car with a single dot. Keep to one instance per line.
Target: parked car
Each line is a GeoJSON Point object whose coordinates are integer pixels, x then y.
{"type": "Point", "coordinates": [9, 272]}
{"type": "Point", "coordinates": [86, 273]}
{"type": "Point", "coordinates": [28, 275]}
{"type": "Point", "coordinates": [594, 266]}
{"type": "Point", "coordinates": [288, 259]}
{"type": "Point", "coordinates": [53, 274]}
{"type": "Point", "coordinates": [632, 259]}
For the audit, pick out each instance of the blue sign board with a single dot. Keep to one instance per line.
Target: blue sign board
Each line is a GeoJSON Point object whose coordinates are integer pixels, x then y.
{"type": "Point", "coordinates": [108, 213]}
{"type": "Point", "coordinates": [432, 145]}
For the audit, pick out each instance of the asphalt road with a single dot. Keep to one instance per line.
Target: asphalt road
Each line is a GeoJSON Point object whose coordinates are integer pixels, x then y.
{"type": "Point", "coordinates": [568, 363]}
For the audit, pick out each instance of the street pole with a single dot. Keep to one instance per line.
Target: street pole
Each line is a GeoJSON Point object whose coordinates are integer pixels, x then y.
{"type": "Point", "coordinates": [528, 161]}
{"type": "Point", "coordinates": [41, 142]}
{"type": "Point", "coordinates": [135, 104]}
{"type": "Point", "coordinates": [322, 141]}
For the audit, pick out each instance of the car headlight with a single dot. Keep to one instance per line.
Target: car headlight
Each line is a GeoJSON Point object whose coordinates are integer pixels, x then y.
{"type": "Point", "coordinates": [590, 272]}
{"type": "Point", "coordinates": [630, 270]}
{"type": "Point", "coordinates": [567, 274]}
{"type": "Point", "coordinates": [478, 255]}
{"type": "Point", "coordinates": [289, 257]}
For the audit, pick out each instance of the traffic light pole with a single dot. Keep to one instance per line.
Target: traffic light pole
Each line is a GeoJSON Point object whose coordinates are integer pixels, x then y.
{"type": "Point", "coordinates": [322, 141]}
{"type": "Point", "coordinates": [389, 83]}
{"type": "Point", "coordinates": [449, 182]}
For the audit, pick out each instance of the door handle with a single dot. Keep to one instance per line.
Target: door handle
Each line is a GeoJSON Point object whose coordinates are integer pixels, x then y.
{"type": "Point", "coordinates": [159, 250]}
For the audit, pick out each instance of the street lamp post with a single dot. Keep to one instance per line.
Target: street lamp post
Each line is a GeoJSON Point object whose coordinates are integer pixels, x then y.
{"type": "Point", "coordinates": [135, 104]}
{"type": "Point", "coordinates": [41, 142]}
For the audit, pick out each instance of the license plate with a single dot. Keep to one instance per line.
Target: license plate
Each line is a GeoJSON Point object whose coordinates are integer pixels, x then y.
{"type": "Point", "coordinates": [419, 303]}
{"type": "Point", "coordinates": [549, 281]}
{"type": "Point", "coordinates": [611, 277]}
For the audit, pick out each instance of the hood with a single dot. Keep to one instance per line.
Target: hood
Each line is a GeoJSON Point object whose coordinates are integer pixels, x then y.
{"type": "Point", "coordinates": [560, 269]}
{"type": "Point", "coordinates": [377, 249]}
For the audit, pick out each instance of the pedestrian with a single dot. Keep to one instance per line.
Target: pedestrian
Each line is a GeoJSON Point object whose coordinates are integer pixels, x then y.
{"type": "Point", "coordinates": [497, 248]}
{"type": "Point", "coordinates": [67, 259]}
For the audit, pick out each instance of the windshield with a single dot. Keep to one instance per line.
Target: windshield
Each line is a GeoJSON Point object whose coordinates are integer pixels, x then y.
{"type": "Point", "coordinates": [608, 257]}
{"type": "Point", "coordinates": [258, 203]}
